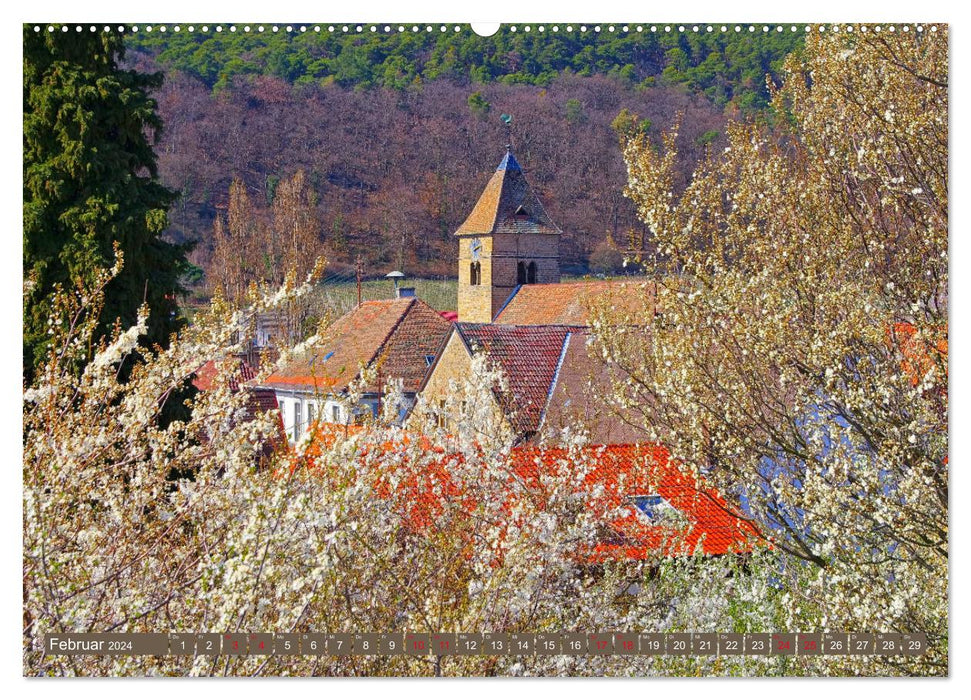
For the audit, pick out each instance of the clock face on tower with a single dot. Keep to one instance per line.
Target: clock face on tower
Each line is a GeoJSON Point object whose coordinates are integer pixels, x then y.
{"type": "Point", "coordinates": [475, 248]}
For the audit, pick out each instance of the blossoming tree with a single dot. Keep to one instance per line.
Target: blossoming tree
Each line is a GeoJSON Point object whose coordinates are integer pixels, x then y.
{"type": "Point", "coordinates": [798, 354]}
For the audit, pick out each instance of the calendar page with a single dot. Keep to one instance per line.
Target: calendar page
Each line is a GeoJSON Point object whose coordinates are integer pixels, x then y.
{"type": "Point", "coordinates": [528, 349]}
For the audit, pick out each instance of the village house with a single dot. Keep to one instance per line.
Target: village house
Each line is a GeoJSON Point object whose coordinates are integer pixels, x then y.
{"type": "Point", "coordinates": [393, 338]}
{"type": "Point", "coordinates": [528, 356]}
{"type": "Point", "coordinates": [553, 385]}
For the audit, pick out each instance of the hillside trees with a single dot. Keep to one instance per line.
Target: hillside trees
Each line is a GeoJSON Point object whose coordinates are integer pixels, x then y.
{"type": "Point", "coordinates": [91, 183]}
{"type": "Point", "coordinates": [260, 245]}
{"type": "Point", "coordinates": [395, 174]}
{"type": "Point", "coordinates": [728, 67]}
{"type": "Point", "coordinates": [799, 353]}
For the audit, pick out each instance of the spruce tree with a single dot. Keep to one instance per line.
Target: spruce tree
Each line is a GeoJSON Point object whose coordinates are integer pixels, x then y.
{"type": "Point", "coordinates": [91, 181]}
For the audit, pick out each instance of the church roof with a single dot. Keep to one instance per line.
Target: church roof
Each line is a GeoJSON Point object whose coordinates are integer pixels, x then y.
{"type": "Point", "coordinates": [571, 302]}
{"type": "Point", "coordinates": [507, 205]}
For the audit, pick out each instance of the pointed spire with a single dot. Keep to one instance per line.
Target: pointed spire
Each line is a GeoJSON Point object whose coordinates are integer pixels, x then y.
{"type": "Point", "coordinates": [509, 161]}
{"type": "Point", "coordinates": [507, 205]}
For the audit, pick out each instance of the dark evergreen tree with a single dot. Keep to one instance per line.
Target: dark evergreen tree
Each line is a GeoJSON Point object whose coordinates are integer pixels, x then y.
{"type": "Point", "coordinates": [90, 181]}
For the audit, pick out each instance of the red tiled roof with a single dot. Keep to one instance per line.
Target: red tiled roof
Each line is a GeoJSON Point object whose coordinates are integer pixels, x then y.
{"type": "Point", "coordinates": [701, 520]}
{"type": "Point", "coordinates": [619, 472]}
{"type": "Point", "coordinates": [260, 401]}
{"type": "Point", "coordinates": [413, 341]}
{"type": "Point", "coordinates": [205, 376]}
{"type": "Point", "coordinates": [570, 302]}
{"type": "Point", "coordinates": [507, 205]}
{"type": "Point", "coordinates": [397, 334]}
{"type": "Point", "coordinates": [528, 357]}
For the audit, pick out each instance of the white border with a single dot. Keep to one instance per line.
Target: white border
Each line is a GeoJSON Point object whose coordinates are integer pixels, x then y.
{"type": "Point", "coordinates": [438, 11]}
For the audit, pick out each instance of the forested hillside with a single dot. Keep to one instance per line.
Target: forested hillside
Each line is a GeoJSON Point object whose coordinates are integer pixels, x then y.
{"type": "Point", "coordinates": [398, 133]}
{"type": "Point", "coordinates": [724, 66]}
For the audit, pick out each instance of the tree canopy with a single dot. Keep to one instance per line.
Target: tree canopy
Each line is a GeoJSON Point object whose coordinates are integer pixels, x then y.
{"type": "Point", "coordinates": [91, 186]}
{"type": "Point", "coordinates": [725, 66]}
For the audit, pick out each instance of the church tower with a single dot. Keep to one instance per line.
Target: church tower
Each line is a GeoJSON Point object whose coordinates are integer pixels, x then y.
{"type": "Point", "coordinates": [508, 240]}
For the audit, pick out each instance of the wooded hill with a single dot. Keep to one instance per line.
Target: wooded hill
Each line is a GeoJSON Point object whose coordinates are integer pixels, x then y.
{"type": "Point", "coordinates": [397, 134]}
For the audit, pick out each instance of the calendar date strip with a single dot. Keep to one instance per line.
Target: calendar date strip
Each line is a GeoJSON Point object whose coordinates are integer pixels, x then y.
{"type": "Point", "coordinates": [488, 644]}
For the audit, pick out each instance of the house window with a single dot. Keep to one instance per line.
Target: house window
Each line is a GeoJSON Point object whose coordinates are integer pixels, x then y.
{"type": "Point", "coordinates": [311, 411]}
{"type": "Point", "coordinates": [440, 419]}
{"type": "Point", "coordinates": [531, 273]}
{"type": "Point", "coordinates": [335, 413]}
{"type": "Point", "coordinates": [297, 417]}
{"type": "Point", "coordinates": [475, 273]}
{"type": "Point", "coordinates": [521, 273]}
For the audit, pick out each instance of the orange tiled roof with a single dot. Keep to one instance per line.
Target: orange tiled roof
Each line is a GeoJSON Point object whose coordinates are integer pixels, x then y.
{"type": "Point", "coordinates": [204, 377]}
{"type": "Point", "coordinates": [507, 205]}
{"type": "Point", "coordinates": [704, 521]}
{"type": "Point", "coordinates": [700, 519]}
{"type": "Point", "coordinates": [920, 354]}
{"type": "Point", "coordinates": [528, 356]}
{"type": "Point", "coordinates": [396, 335]}
{"type": "Point", "coordinates": [570, 302]}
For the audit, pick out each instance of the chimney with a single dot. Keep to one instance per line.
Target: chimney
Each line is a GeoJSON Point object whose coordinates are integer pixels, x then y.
{"type": "Point", "coordinates": [396, 277]}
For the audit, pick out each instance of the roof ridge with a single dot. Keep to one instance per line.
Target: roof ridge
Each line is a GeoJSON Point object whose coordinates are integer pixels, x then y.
{"type": "Point", "coordinates": [506, 302]}
{"type": "Point", "coordinates": [555, 380]}
{"type": "Point", "coordinates": [577, 327]}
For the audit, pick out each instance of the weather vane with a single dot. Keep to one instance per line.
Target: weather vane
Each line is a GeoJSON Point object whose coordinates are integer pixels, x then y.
{"type": "Point", "coordinates": [507, 120]}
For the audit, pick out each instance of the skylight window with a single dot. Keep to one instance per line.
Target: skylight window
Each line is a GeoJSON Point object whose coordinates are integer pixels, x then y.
{"type": "Point", "coordinates": [429, 359]}
{"type": "Point", "coordinates": [653, 507]}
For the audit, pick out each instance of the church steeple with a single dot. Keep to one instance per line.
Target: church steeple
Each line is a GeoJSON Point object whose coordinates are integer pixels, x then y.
{"type": "Point", "coordinates": [509, 161]}
{"type": "Point", "coordinates": [507, 240]}
{"type": "Point", "coordinates": [508, 205]}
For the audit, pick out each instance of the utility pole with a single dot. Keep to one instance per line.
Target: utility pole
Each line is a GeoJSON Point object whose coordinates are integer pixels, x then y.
{"type": "Point", "coordinates": [360, 271]}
